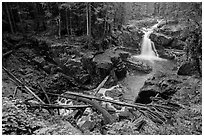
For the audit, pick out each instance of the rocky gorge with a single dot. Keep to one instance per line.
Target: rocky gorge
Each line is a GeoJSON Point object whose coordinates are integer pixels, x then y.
{"type": "Point", "coordinates": [151, 96]}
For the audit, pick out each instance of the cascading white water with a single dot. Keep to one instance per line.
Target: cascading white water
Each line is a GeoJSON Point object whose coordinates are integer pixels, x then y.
{"type": "Point", "coordinates": [147, 47]}
{"type": "Point", "coordinates": [148, 50]}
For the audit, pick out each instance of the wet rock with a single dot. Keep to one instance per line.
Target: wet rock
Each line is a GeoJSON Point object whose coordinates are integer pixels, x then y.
{"type": "Point", "coordinates": [108, 60]}
{"type": "Point", "coordinates": [160, 39]}
{"type": "Point", "coordinates": [123, 54]}
{"type": "Point", "coordinates": [129, 50]}
{"type": "Point", "coordinates": [137, 65]}
{"type": "Point", "coordinates": [114, 93]}
{"type": "Point", "coordinates": [162, 86]}
{"type": "Point", "coordinates": [87, 62]}
{"type": "Point", "coordinates": [103, 68]}
{"type": "Point", "coordinates": [166, 54]}
{"type": "Point", "coordinates": [88, 120]}
{"type": "Point", "coordinates": [88, 125]}
{"type": "Point", "coordinates": [126, 114]}
{"type": "Point", "coordinates": [178, 44]}
{"type": "Point", "coordinates": [168, 22]}
{"type": "Point", "coordinates": [187, 69]}
{"type": "Point", "coordinates": [169, 32]}
{"type": "Point", "coordinates": [120, 69]}
{"type": "Point", "coordinates": [146, 92]}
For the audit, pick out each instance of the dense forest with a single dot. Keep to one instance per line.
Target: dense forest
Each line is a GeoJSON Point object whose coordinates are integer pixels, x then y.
{"type": "Point", "coordinates": [102, 68]}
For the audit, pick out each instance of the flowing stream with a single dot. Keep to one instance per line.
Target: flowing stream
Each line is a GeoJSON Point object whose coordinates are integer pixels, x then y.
{"type": "Point", "coordinates": [148, 50]}
{"type": "Point", "coordinates": [149, 55]}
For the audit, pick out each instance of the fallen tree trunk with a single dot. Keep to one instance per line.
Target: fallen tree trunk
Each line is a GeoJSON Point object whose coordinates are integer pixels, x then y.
{"type": "Point", "coordinates": [54, 106]}
{"type": "Point", "coordinates": [21, 84]}
{"type": "Point", "coordinates": [101, 85]}
{"type": "Point", "coordinates": [135, 105]}
{"type": "Point", "coordinates": [7, 53]}
{"type": "Point", "coordinates": [108, 119]}
{"type": "Point", "coordinates": [155, 112]}
{"type": "Point", "coordinates": [43, 89]}
{"type": "Point", "coordinates": [16, 47]}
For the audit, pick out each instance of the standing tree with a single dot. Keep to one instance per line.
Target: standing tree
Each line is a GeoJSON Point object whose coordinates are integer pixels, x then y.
{"type": "Point", "coordinates": [88, 19]}
{"type": "Point", "coordinates": [9, 16]}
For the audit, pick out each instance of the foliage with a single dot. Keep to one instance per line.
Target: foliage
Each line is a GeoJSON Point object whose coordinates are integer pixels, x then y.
{"type": "Point", "coordinates": [72, 16]}
{"type": "Point", "coordinates": [16, 119]}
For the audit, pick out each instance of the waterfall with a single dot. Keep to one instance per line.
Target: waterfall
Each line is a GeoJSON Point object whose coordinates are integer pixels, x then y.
{"type": "Point", "coordinates": [148, 50]}
{"type": "Point", "coordinates": [147, 47]}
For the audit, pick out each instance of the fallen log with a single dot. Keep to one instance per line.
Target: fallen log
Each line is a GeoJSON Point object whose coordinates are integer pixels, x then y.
{"type": "Point", "coordinates": [135, 105]}
{"type": "Point", "coordinates": [16, 47]}
{"type": "Point", "coordinates": [77, 95]}
{"type": "Point", "coordinates": [146, 110]}
{"type": "Point", "coordinates": [101, 85]}
{"type": "Point", "coordinates": [22, 84]}
{"type": "Point", "coordinates": [54, 106]}
{"type": "Point", "coordinates": [43, 89]}
{"type": "Point", "coordinates": [7, 53]}
{"type": "Point", "coordinates": [108, 119]}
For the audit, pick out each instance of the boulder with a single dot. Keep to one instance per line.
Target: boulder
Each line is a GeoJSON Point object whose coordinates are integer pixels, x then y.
{"type": "Point", "coordinates": [169, 32]}
{"type": "Point", "coordinates": [120, 68]}
{"type": "Point", "coordinates": [160, 39]}
{"type": "Point", "coordinates": [123, 54]}
{"type": "Point", "coordinates": [103, 65]}
{"type": "Point", "coordinates": [146, 92]}
{"type": "Point", "coordinates": [166, 54]}
{"type": "Point", "coordinates": [137, 65]}
{"type": "Point", "coordinates": [163, 86]}
{"type": "Point", "coordinates": [168, 22]}
{"type": "Point", "coordinates": [187, 69]}
{"type": "Point", "coordinates": [87, 63]}
{"type": "Point", "coordinates": [129, 50]}
{"type": "Point", "coordinates": [108, 60]}
{"type": "Point", "coordinates": [178, 44]}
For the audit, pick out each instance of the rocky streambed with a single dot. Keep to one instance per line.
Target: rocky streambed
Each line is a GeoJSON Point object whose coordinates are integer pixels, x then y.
{"type": "Point", "coordinates": [62, 67]}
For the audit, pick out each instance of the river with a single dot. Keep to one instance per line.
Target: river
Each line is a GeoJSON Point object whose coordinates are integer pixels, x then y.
{"type": "Point", "coordinates": [134, 83]}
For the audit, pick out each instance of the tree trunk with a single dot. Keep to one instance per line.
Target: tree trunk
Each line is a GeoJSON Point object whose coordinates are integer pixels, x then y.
{"type": "Point", "coordinates": [88, 17]}
{"type": "Point", "coordinates": [9, 18]}
{"type": "Point", "coordinates": [67, 26]}
{"type": "Point", "coordinates": [59, 23]}
{"type": "Point", "coordinates": [36, 17]}
{"type": "Point", "coordinates": [70, 23]}
{"type": "Point", "coordinates": [104, 33]}
{"type": "Point", "coordinates": [20, 19]}
{"type": "Point", "coordinates": [13, 20]}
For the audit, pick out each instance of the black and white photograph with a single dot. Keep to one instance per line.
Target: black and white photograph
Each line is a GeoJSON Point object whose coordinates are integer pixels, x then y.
{"type": "Point", "coordinates": [101, 68]}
